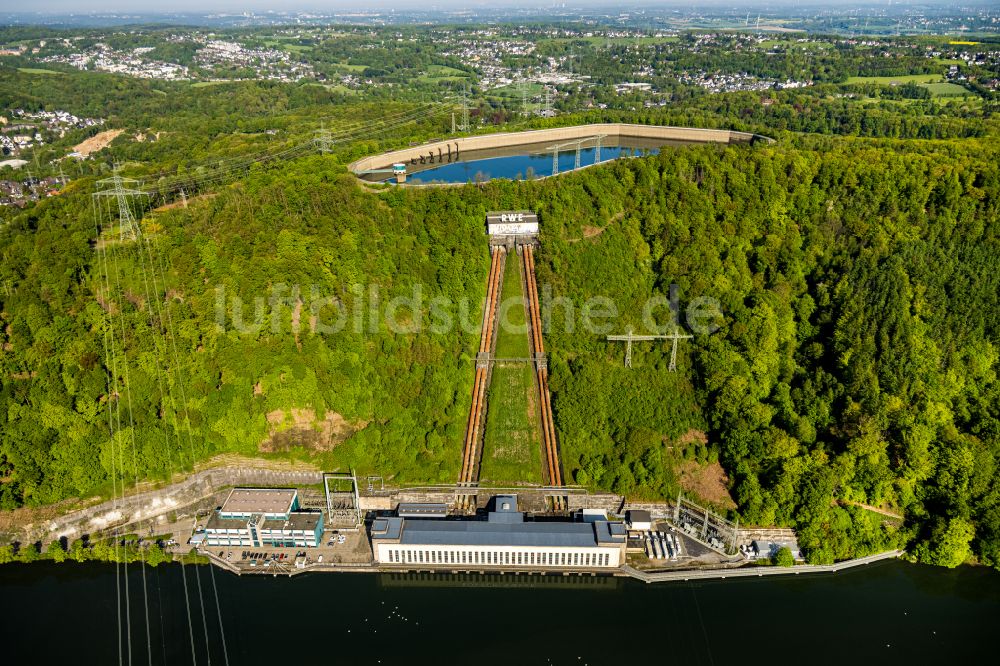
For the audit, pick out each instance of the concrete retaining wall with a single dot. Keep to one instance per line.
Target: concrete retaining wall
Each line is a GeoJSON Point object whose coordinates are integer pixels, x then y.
{"type": "Point", "coordinates": [555, 135]}
{"type": "Point", "coordinates": [757, 571]}
{"type": "Point", "coordinates": [749, 534]}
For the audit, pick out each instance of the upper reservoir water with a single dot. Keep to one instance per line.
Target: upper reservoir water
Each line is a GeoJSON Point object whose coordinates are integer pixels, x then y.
{"type": "Point", "coordinates": [885, 613]}
{"type": "Point", "coordinates": [523, 161]}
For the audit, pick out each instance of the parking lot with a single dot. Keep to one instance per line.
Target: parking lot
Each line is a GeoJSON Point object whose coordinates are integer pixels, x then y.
{"type": "Point", "coordinates": [338, 547]}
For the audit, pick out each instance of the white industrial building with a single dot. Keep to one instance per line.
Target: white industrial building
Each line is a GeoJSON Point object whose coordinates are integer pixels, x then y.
{"type": "Point", "coordinates": [504, 539]}
{"type": "Point", "coordinates": [639, 520]}
{"type": "Point", "coordinates": [264, 517]}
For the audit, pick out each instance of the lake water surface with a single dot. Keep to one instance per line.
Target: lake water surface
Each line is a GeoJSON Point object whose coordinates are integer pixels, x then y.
{"type": "Point", "coordinates": [886, 613]}
{"type": "Point", "coordinates": [524, 161]}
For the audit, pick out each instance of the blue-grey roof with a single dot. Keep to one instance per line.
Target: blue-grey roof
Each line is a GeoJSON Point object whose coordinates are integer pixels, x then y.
{"type": "Point", "coordinates": [609, 532]}
{"type": "Point", "coordinates": [480, 533]}
{"type": "Point", "coordinates": [387, 528]}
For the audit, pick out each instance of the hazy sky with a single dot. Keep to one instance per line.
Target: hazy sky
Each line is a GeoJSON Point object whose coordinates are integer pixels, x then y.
{"type": "Point", "coordinates": [141, 6]}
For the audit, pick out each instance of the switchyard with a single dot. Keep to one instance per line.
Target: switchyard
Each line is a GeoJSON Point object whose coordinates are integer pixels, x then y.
{"type": "Point", "coordinates": [510, 233]}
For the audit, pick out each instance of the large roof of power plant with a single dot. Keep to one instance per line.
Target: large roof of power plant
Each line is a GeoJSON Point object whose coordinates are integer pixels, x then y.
{"type": "Point", "coordinates": [493, 533]}
{"type": "Point", "coordinates": [505, 526]}
{"type": "Point", "coordinates": [480, 533]}
{"type": "Point", "coordinates": [259, 500]}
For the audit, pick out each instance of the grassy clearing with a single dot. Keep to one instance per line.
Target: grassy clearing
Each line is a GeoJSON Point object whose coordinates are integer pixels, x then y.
{"type": "Point", "coordinates": [443, 74]}
{"type": "Point", "coordinates": [949, 61]}
{"type": "Point", "coordinates": [512, 450]}
{"type": "Point", "coordinates": [293, 48]}
{"type": "Point", "coordinates": [886, 80]}
{"type": "Point", "coordinates": [35, 70]}
{"type": "Point", "coordinates": [512, 336]}
{"type": "Point", "coordinates": [347, 67]}
{"type": "Point", "coordinates": [947, 90]}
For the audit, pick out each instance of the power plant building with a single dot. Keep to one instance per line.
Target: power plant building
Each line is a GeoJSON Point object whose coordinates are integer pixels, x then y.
{"type": "Point", "coordinates": [504, 539]}
{"type": "Point", "coordinates": [258, 517]}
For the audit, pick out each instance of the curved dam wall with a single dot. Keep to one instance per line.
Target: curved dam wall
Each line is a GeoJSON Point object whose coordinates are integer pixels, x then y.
{"type": "Point", "coordinates": [555, 135]}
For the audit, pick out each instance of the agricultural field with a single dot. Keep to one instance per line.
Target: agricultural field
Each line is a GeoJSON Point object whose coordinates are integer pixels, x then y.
{"type": "Point", "coordinates": [898, 80]}
{"type": "Point", "coordinates": [947, 90]}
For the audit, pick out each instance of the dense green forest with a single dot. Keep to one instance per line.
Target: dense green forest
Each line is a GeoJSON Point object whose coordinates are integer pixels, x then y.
{"type": "Point", "coordinates": [854, 362]}
{"type": "Point", "coordinates": [856, 358]}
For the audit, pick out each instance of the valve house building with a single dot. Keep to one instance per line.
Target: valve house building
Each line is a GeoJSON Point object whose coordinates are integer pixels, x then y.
{"type": "Point", "coordinates": [510, 228]}
{"type": "Point", "coordinates": [258, 517]}
{"type": "Point", "coordinates": [504, 539]}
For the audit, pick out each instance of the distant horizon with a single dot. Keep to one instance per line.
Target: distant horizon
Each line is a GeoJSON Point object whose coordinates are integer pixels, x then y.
{"type": "Point", "coordinates": [70, 8]}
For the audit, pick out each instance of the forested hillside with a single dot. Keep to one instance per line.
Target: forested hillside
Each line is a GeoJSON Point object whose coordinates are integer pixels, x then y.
{"type": "Point", "coordinates": [854, 362]}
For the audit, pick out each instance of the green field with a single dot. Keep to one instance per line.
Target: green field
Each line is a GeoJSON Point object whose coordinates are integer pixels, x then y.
{"type": "Point", "coordinates": [949, 61]}
{"type": "Point", "coordinates": [935, 83]}
{"type": "Point", "coordinates": [347, 67]}
{"type": "Point", "coordinates": [512, 451]}
{"type": "Point", "coordinates": [512, 336]}
{"type": "Point", "coordinates": [886, 80]}
{"type": "Point", "coordinates": [35, 70]}
{"type": "Point", "coordinates": [947, 90]}
{"type": "Point", "coordinates": [293, 48]}
{"type": "Point", "coordinates": [443, 74]}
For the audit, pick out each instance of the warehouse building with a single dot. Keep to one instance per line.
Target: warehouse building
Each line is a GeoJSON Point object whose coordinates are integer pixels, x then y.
{"type": "Point", "coordinates": [504, 539]}
{"type": "Point", "coordinates": [258, 517]}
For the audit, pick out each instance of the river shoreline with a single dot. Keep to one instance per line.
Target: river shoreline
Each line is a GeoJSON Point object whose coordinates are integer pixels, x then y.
{"type": "Point", "coordinates": [651, 577]}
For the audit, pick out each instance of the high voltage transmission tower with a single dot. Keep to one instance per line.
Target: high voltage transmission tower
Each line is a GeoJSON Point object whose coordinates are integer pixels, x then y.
{"type": "Point", "coordinates": [122, 190]}
{"type": "Point", "coordinates": [323, 140]}
{"type": "Point", "coordinates": [464, 97]}
{"type": "Point", "coordinates": [465, 107]}
{"type": "Point", "coordinates": [523, 85]}
{"type": "Point", "coordinates": [630, 337]}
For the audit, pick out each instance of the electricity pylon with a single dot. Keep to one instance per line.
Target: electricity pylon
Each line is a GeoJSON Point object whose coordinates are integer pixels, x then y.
{"type": "Point", "coordinates": [323, 140]}
{"type": "Point", "coordinates": [122, 189]}
{"type": "Point", "coordinates": [465, 107]}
